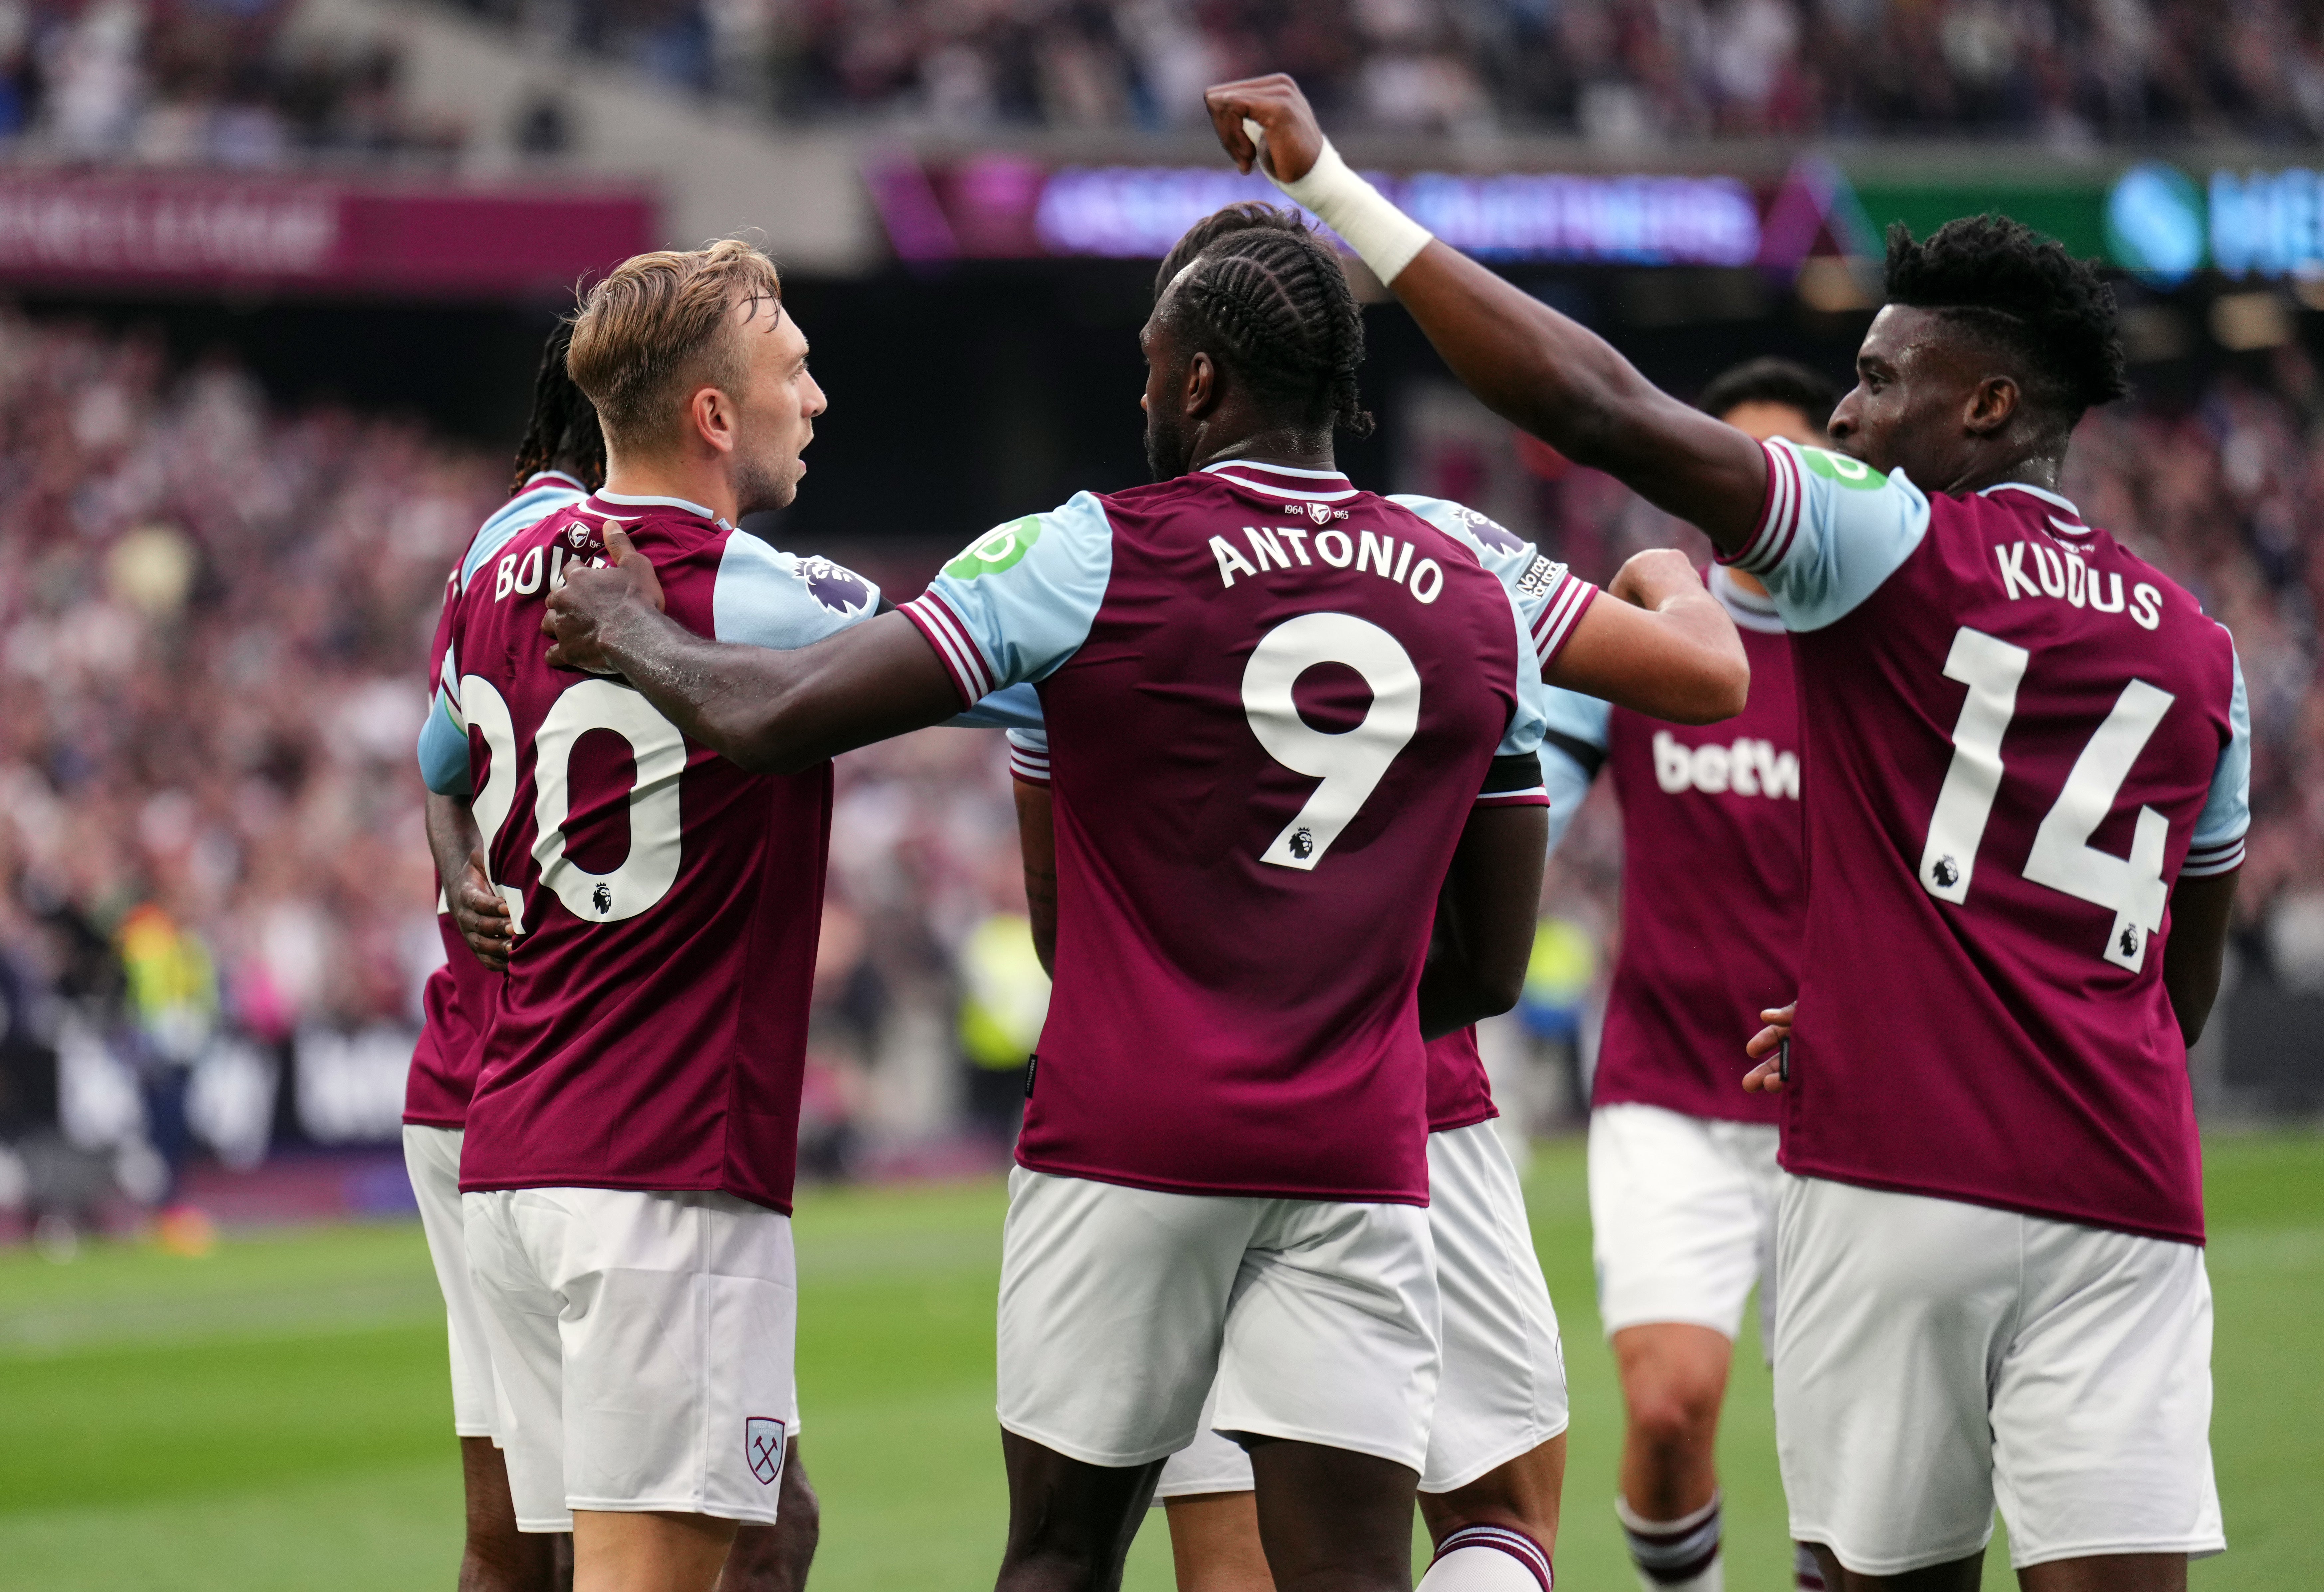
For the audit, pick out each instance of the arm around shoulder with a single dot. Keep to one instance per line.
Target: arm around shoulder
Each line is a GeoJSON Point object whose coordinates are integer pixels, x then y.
{"type": "Point", "coordinates": [1664, 647]}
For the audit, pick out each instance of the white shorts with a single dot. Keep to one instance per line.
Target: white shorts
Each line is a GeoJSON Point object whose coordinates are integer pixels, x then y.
{"type": "Point", "coordinates": [431, 1156]}
{"type": "Point", "coordinates": [1682, 1218]}
{"type": "Point", "coordinates": [1935, 1358]}
{"type": "Point", "coordinates": [643, 1346]}
{"type": "Point", "coordinates": [1121, 1306]}
{"type": "Point", "coordinates": [1502, 1392]}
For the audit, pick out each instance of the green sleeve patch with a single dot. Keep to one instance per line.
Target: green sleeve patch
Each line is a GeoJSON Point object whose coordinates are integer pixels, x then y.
{"type": "Point", "coordinates": [998, 551]}
{"type": "Point", "coordinates": [1840, 467]}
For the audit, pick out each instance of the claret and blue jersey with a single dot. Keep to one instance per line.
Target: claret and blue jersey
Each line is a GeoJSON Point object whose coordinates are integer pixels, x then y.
{"type": "Point", "coordinates": [2019, 736]}
{"type": "Point", "coordinates": [1271, 701]}
{"type": "Point", "coordinates": [650, 1034]}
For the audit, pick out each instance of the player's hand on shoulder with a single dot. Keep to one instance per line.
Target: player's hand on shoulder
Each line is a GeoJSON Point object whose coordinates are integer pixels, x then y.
{"type": "Point", "coordinates": [1771, 1048]}
{"type": "Point", "coordinates": [1294, 140]}
{"type": "Point", "coordinates": [1651, 579]}
{"type": "Point", "coordinates": [579, 612]}
{"type": "Point", "coordinates": [482, 916]}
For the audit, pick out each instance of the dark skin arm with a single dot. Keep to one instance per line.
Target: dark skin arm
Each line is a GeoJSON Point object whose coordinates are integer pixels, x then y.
{"type": "Point", "coordinates": [2201, 912]}
{"type": "Point", "coordinates": [770, 712]}
{"type": "Point", "coordinates": [1485, 916]}
{"type": "Point", "coordinates": [1036, 842]}
{"type": "Point", "coordinates": [1535, 367]}
{"type": "Point", "coordinates": [480, 915]}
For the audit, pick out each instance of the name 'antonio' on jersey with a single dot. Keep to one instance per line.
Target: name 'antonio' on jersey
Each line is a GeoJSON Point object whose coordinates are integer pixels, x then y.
{"type": "Point", "coordinates": [652, 1033]}
{"type": "Point", "coordinates": [1271, 702]}
{"type": "Point", "coordinates": [2019, 738]}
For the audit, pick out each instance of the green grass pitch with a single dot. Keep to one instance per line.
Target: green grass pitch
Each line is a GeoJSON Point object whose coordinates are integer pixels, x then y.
{"type": "Point", "coordinates": [276, 1414]}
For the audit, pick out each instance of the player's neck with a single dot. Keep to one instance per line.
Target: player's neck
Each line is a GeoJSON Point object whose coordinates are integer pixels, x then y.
{"type": "Point", "coordinates": [2024, 470]}
{"type": "Point", "coordinates": [1293, 450]}
{"type": "Point", "coordinates": [700, 483]}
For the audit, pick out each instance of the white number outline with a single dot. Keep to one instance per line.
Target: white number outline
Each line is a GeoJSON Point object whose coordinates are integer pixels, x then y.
{"type": "Point", "coordinates": [1351, 762]}
{"type": "Point", "coordinates": [2062, 858]}
{"type": "Point", "coordinates": [658, 751]}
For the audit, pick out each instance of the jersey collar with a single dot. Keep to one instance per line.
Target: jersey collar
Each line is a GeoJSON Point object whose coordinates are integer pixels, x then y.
{"type": "Point", "coordinates": [630, 500]}
{"type": "Point", "coordinates": [1274, 480]}
{"type": "Point", "coordinates": [541, 478]}
{"type": "Point", "coordinates": [2070, 525]}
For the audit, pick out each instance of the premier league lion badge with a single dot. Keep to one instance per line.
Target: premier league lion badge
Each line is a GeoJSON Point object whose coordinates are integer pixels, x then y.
{"type": "Point", "coordinates": [763, 1444]}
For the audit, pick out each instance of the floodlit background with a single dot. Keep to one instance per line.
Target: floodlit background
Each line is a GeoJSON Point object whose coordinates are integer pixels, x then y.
{"type": "Point", "coordinates": [272, 280]}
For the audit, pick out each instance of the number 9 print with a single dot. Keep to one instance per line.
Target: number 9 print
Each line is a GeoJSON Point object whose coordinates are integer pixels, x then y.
{"type": "Point", "coordinates": [1350, 762]}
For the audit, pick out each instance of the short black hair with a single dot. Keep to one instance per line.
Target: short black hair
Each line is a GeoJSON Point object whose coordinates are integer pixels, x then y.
{"type": "Point", "coordinates": [563, 432]}
{"type": "Point", "coordinates": [1269, 299]}
{"type": "Point", "coordinates": [1786, 382]}
{"type": "Point", "coordinates": [2025, 296]}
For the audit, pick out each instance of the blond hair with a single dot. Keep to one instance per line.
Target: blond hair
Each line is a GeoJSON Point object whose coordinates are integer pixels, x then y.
{"type": "Point", "coordinates": [658, 325]}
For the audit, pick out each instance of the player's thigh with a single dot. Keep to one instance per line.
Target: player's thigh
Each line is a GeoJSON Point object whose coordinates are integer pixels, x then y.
{"type": "Point", "coordinates": [2102, 1410]}
{"type": "Point", "coordinates": [1501, 1393]}
{"type": "Point", "coordinates": [1333, 1336]}
{"type": "Point", "coordinates": [681, 1314]}
{"type": "Point", "coordinates": [1214, 1544]}
{"type": "Point", "coordinates": [1676, 1227]}
{"type": "Point", "coordinates": [431, 1156]}
{"type": "Point", "coordinates": [1112, 1302]}
{"type": "Point", "coordinates": [1753, 1147]}
{"type": "Point", "coordinates": [519, 1310]}
{"type": "Point", "coordinates": [1897, 1309]}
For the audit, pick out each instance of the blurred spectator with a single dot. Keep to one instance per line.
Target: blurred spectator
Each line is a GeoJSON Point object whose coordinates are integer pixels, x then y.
{"type": "Point", "coordinates": [1005, 999]}
{"type": "Point", "coordinates": [201, 82]}
{"type": "Point", "coordinates": [1615, 70]}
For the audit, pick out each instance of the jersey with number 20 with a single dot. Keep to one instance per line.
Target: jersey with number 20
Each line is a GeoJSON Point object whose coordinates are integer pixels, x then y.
{"type": "Point", "coordinates": [1271, 702]}
{"type": "Point", "coordinates": [2019, 737]}
{"type": "Point", "coordinates": [652, 1033]}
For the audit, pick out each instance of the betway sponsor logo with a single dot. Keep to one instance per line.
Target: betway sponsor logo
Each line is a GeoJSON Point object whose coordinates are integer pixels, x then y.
{"type": "Point", "coordinates": [1745, 766]}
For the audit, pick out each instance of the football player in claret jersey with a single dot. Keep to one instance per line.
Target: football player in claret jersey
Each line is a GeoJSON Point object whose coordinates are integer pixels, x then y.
{"type": "Point", "coordinates": [2025, 788]}
{"type": "Point", "coordinates": [1682, 1159]}
{"type": "Point", "coordinates": [1490, 1485]}
{"type": "Point", "coordinates": [561, 458]}
{"type": "Point", "coordinates": [1284, 717]}
{"type": "Point", "coordinates": [626, 1173]}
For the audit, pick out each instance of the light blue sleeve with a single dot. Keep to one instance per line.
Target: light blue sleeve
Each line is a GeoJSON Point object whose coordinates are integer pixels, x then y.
{"type": "Point", "coordinates": [1014, 606]}
{"type": "Point", "coordinates": [1018, 707]}
{"type": "Point", "coordinates": [1832, 531]}
{"type": "Point", "coordinates": [2219, 829]}
{"type": "Point", "coordinates": [1551, 596]}
{"type": "Point", "coordinates": [1532, 714]}
{"type": "Point", "coordinates": [766, 598]}
{"type": "Point", "coordinates": [1573, 749]}
{"type": "Point", "coordinates": [444, 749]}
{"type": "Point", "coordinates": [524, 510]}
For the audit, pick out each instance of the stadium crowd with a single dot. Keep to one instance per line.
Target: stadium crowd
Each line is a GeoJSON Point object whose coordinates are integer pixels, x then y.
{"type": "Point", "coordinates": [201, 83]}
{"type": "Point", "coordinates": [2070, 71]}
{"type": "Point", "coordinates": [216, 620]}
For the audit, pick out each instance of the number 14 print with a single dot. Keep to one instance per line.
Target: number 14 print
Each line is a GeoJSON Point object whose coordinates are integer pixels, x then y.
{"type": "Point", "coordinates": [2063, 858]}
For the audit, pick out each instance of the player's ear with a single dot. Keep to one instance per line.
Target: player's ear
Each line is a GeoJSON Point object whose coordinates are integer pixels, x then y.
{"type": "Point", "coordinates": [711, 413]}
{"type": "Point", "coordinates": [1992, 404]}
{"type": "Point", "coordinates": [1202, 389]}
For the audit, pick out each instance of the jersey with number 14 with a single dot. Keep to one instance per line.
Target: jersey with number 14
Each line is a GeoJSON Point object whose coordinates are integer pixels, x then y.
{"type": "Point", "coordinates": [1271, 702]}
{"type": "Point", "coordinates": [2019, 737]}
{"type": "Point", "coordinates": [651, 1031]}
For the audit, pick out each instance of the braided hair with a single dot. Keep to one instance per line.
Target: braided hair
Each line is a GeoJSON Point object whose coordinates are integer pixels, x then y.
{"type": "Point", "coordinates": [563, 432]}
{"type": "Point", "coordinates": [1267, 298]}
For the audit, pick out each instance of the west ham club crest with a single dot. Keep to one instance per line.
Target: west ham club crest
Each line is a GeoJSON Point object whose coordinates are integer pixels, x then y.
{"type": "Point", "coordinates": [763, 1444]}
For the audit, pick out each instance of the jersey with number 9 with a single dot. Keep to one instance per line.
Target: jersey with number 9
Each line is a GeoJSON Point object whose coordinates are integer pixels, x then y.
{"type": "Point", "coordinates": [1271, 702]}
{"type": "Point", "coordinates": [652, 1033]}
{"type": "Point", "coordinates": [2019, 737]}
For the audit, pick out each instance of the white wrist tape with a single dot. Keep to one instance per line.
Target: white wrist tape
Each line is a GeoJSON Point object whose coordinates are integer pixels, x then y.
{"type": "Point", "coordinates": [1382, 236]}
